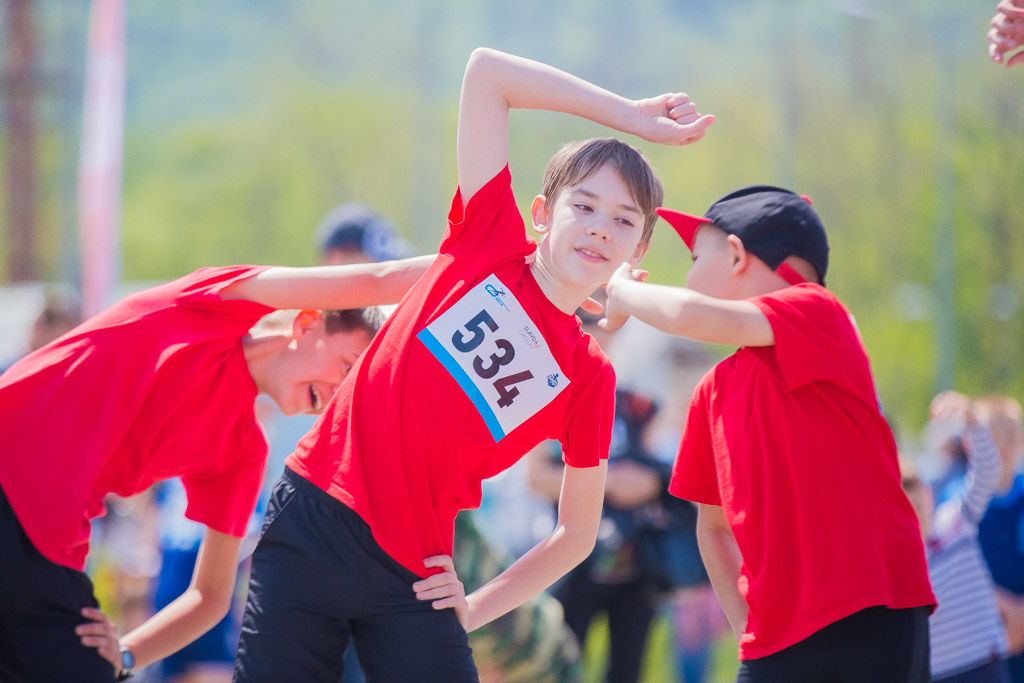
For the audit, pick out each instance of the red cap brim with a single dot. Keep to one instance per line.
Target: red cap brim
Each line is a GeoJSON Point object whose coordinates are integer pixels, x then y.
{"type": "Point", "coordinates": [685, 224]}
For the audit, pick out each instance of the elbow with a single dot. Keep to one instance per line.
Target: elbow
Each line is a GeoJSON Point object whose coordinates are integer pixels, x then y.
{"type": "Point", "coordinates": [483, 63]}
{"type": "Point", "coordinates": [582, 544]}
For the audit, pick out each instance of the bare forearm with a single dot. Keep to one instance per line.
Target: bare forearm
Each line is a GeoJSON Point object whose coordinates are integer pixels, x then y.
{"type": "Point", "coordinates": [544, 564]}
{"type": "Point", "coordinates": [333, 287]}
{"type": "Point", "coordinates": [686, 313]}
{"type": "Point", "coordinates": [175, 626]}
{"type": "Point", "coordinates": [526, 84]}
{"type": "Point", "coordinates": [722, 560]}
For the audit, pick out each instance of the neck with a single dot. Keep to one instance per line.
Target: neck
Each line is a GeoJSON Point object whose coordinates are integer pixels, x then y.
{"type": "Point", "coordinates": [260, 353]}
{"type": "Point", "coordinates": [566, 298]}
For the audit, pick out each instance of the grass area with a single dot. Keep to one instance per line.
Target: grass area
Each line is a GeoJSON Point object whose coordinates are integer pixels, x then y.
{"type": "Point", "coordinates": [659, 660]}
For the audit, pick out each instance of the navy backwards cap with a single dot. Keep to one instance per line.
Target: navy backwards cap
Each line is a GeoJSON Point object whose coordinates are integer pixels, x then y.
{"type": "Point", "coordinates": [356, 226]}
{"type": "Point", "coordinates": [772, 223]}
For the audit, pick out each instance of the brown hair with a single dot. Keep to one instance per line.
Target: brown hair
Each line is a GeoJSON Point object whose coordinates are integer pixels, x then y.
{"type": "Point", "coordinates": [348, 320]}
{"type": "Point", "coordinates": [576, 161]}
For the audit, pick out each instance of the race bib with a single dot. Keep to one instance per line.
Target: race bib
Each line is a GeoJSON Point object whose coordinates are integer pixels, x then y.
{"type": "Point", "coordinates": [497, 356]}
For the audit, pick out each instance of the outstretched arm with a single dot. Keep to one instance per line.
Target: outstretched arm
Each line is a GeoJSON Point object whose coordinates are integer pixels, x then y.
{"type": "Point", "coordinates": [684, 312]}
{"type": "Point", "coordinates": [331, 287]}
{"type": "Point", "coordinates": [579, 515]}
{"type": "Point", "coordinates": [193, 613]}
{"type": "Point", "coordinates": [496, 82]}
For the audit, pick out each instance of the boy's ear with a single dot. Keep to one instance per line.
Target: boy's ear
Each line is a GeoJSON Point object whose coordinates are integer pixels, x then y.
{"type": "Point", "coordinates": [306, 321]}
{"type": "Point", "coordinates": [740, 259]}
{"type": "Point", "coordinates": [539, 214]}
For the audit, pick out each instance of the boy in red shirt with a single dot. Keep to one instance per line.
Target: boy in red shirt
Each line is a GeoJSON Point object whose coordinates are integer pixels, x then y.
{"type": "Point", "coordinates": [482, 361]}
{"type": "Point", "coordinates": [159, 385]}
{"type": "Point", "coordinates": [811, 545]}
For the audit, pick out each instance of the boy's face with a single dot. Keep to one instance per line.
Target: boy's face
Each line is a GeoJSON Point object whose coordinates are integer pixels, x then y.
{"type": "Point", "coordinates": [711, 271]}
{"type": "Point", "coordinates": [591, 229]}
{"type": "Point", "coordinates": [313, 365]}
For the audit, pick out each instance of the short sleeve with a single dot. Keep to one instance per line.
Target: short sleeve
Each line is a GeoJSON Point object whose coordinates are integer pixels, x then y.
{"type": "Point", "coordinates": [490, 221]}
{"type": "Point", "coordinates": [224, 498]}
{"type": "Point", "coordinates": [815, 337]}
{"type": "Point", "coordinates": [202, 290]}
{"type": "Point", "coordinates": [588, 435]}
{"type": "Point", "coordinates": [694, 475]}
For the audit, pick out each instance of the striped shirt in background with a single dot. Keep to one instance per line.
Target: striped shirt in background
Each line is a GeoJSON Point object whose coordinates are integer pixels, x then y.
{"type": "Point", "coordinates": [966, 629]}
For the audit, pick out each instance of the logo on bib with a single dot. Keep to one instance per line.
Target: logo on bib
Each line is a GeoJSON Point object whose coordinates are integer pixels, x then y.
{"type": "Point", "coordinates": [529, 338]}
{"type": "Point", "coordinates": [553, 380]}
{"type": "Point", "coordinates": [497, 293]}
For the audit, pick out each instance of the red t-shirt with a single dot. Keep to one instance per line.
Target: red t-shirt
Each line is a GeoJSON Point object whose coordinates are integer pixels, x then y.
{"type": "Point", "coordinates": [154, 387]}
{"type": "Point", "coordinates": [790, 441]}
{"type": "Point", "coordinates": [474, 368]}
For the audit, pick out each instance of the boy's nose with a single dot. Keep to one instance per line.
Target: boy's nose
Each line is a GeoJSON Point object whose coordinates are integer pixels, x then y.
{"type": "Point", "coordinates": [600, 229]}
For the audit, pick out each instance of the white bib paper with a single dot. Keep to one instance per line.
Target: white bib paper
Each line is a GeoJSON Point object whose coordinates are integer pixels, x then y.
{"type": "Point", "coordinates": [496, 354]}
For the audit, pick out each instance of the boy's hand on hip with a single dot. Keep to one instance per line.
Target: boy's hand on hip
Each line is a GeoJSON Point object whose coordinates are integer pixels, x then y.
{"type": "Point", "coordinates": [100, 634]}
{"type": "Point", "coordinates": [671, 119]}
{"type": "Point", "coordinates": [444, 588]}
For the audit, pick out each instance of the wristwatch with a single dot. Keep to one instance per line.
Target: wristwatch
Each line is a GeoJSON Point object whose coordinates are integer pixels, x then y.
{"type": "Point", "coordinates": [127, 664]}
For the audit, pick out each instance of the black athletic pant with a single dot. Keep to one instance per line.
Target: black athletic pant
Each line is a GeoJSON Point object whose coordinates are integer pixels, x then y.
{"type": "Point", "coordinates": [877, 644]}
{"type": "Point", "coordinates": [318, 579]}
{"type": "Point", "coordinates": [629, 609]}
{"type": "Point", "coordinates": [40, 606]}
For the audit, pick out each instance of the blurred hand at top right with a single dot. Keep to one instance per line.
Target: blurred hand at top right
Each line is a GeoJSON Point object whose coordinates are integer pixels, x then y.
{"type": "Point", "coordinates": [952, 405]}
{"type": "Point", "coordinates": [1007, 33]}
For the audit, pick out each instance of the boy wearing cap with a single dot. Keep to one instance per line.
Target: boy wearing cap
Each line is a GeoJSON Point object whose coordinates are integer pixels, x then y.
{"type": "Point", "coordinates": [785, 447]}
{"type": "Point", "coordinates": [483, 360]}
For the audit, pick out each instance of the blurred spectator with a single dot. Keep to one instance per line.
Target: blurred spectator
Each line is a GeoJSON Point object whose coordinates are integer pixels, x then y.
{"type": "Point", "coordinates": [1006, 36]}
{"type": "Point", "coordinates": [354, 233]}
{"type": "Point", "coordinates": [968, 641]}
{"type": "Point", "coordinates": [695, 615]}
{"type": "Point", "coordinates": [1001, 531]}
{"type": "Point", "coordinates": [61, 312]}
{"type": "Point", "coordinates": [641, 554]}
{"type": "Point", "coordinates": [530, 644]}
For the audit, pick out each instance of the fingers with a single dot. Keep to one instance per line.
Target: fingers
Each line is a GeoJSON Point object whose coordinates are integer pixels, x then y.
{"type": "Point", "coordinates": [1011, 8]}
{"type": "Point", "coordinates": [95, 614]}
{"type": "Point", "coordinates": [1016, 59]}
{"type": "Point", "coordinates": [101, 634]}
{"type": "Point", "coordinates": [688, 109]}
{"type": "Point", "coordinates": [592, 306]}
{"type": "Point", "coordinates": [439, 586]}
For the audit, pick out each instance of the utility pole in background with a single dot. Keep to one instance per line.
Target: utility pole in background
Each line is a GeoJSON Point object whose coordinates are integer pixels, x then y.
{"type": "Point", "coordinates": [19, 96]}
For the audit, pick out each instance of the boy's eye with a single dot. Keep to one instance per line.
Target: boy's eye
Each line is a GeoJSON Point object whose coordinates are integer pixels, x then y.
{"type": "Point", "coordinates": [625, 221]}
{"type": "Point", "coordinates": [583, 207]}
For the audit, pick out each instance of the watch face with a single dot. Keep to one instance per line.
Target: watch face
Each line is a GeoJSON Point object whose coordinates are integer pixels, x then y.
{"type": "Point", "coordinates": [127, 659]}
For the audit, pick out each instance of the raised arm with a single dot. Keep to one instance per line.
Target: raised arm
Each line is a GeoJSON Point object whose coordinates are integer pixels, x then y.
{"type": "Point", "coordinates": [496, 82]}
{"type": "Point", "coordinates": [983, 466]}
{"type": "Point", "coordinates": [331, 287]}
{"type": "Point", "coordinates": [684, 312]}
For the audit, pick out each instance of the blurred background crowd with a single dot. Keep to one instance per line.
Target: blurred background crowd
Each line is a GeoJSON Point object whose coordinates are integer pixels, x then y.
{"type": "Point", "coordinates": [227, 131]}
